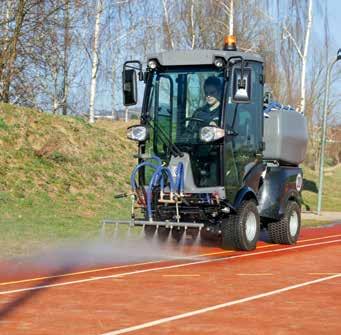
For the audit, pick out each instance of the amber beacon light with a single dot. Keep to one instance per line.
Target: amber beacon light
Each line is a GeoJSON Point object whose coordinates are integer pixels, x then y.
{"type": "Point", "coordinates": [230, 43]}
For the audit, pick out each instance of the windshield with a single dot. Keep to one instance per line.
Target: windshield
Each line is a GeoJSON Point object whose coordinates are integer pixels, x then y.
{"type": "Point", "coordinates": [182, 101]}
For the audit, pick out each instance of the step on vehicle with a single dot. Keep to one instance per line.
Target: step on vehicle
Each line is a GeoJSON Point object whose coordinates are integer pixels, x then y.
{"type": "Point", "coordinates": [215, 159]}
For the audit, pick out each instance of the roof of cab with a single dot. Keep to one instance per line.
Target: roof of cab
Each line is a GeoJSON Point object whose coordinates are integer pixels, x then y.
{"type": "Point", "coordinates": [198, 57]}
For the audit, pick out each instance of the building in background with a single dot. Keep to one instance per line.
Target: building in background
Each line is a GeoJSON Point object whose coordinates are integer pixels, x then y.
{"type": "Point", "coordinates": [133, 113]}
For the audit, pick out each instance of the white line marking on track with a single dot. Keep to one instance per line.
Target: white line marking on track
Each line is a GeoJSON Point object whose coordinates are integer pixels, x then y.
{"type": "Point", "coordinates": [119, 275]}
{"type": "Point", "coordinates": [81, 272]}
{"type": "Point", "coordinates": [148, 263]}
{"type": "Point", "coordinates": [216, 307]}
{"type": "Point", "coordinates": [324, 273]}
{"type": "Point", "coordinates": [272, 245]}
{"type": "Point", "coordinates": [254, 274]}
{"type": "Point", "coordinates": [189, 275]}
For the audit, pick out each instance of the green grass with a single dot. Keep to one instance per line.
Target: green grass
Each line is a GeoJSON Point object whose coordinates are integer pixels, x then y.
{"type": "Point", "coordinates": [314, 223]}
{"type": "Point", "coordinates": [58, 178]}
{"type": "Point", "coordinates": [331, 197]}
{"type": "Point", "coordinates": [28, 225]}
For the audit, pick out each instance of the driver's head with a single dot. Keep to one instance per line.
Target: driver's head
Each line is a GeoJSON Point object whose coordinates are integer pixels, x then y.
{"type": "Point", "coordinates": [212, 89]}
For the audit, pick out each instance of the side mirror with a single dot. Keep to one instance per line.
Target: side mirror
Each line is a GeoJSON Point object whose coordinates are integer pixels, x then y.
{"type": "Point", "coordinates": [268, 98]}
{"type": "Point", "coordinates": [241, 85]}
{"type": "Point", "coordinates": [129, 81]}
{"type": "Point", "coordinates": [129, 87]}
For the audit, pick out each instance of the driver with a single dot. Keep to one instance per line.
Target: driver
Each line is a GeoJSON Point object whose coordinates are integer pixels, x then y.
{"type": "Point", "coordinates": [210, 112]}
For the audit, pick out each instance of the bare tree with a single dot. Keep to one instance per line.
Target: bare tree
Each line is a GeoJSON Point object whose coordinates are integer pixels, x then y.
{"type": "Point", "coordinates": [29, 52]}
{"type": "Point", "coordinates": [167, 25]}
{"type": "Point", "coordinates": [9, 51]}
{"type": "Point", "coordinates": [95, 61]}
{"type": "Point", "coordinates": [303, 54]}
{"type": "Point", "coordinates": [228, 8]}
{"type": "Point", "coordinates": [66, 48]}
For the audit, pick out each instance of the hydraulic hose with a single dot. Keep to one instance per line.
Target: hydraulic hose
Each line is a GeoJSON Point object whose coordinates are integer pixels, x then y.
{"type": "Point", "coordinates": [153, 181]}
{"type": "Point", "coordinates": [144, 163]}
{"type": "Point", "coordinates": [179, 181]}
{"type": "Point", "coordinates": [158, 177]}
{"type": "Point", "coordinates": [155, 158]}
{"type": "Point", "coordinates": [133, 174]}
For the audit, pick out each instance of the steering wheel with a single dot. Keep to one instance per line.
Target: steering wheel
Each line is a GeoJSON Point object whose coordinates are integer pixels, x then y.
{"type": "Point", "coordinates": [194, 119]}
{"type": "Point", "coordinates": [191, 131]}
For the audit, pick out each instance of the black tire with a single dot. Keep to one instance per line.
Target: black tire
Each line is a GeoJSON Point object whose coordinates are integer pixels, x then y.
{"type": "Point", "coordinates": [286, 231]}
{"type": "Point", "coordinates": [240, 231]}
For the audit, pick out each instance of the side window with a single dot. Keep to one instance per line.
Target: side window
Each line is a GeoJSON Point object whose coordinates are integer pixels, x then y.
{"type": "Point", "coordinates": [195, 94]}
{"type": "Point", "coordinates": [246, 116]}
{"type": "Point", "coordinates": [163, 117]}
{"type": "Point", "coordinates": [245, 127]}
{"type": "Point", "coordinates": [165, 96]}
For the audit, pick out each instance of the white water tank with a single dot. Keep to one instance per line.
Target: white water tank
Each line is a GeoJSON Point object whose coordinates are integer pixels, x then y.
{"type": "Point", "coordinates": [285, 136]}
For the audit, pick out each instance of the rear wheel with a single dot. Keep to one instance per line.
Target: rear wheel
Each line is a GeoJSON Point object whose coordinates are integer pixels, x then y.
{"type": "Point", "coordinates": [240, 231]}
{"type": "Point", "coordinates": [287, 230]}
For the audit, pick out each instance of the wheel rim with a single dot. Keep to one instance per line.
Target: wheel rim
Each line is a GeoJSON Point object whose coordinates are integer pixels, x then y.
{"type": "Point", "coordinates": [293, 223]}
{"type": "Point", "coordinates": [251, 226]}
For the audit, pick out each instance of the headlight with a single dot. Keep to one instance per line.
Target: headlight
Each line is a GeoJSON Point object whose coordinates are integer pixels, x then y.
{"type": "Point", "coordinates": [219, 62]}
{"type": "Point", "coordinates": [152, 64]}
{"type": "Point", "coordinates": [210, 133]}
{"type": "Point", "coordinates": [137, 133]}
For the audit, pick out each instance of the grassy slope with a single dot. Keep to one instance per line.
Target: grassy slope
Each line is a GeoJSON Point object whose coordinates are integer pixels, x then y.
{"type": "Point", "coordinates": [58, 176]}
{"type": "Point", "coordinates": [331, 200]}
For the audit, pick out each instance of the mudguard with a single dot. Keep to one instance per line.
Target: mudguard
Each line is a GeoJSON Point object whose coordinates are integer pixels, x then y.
{"type": "Point", "coordinates": [244, 193]}
{"type": "Point", "coordinates": [251, 184]}
{"type": "Point", "coordinates": [280, 185]}
{"type": "Point", "coordinates": [291, 195]}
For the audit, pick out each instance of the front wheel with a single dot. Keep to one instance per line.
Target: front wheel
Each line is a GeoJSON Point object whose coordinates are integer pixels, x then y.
{"type": "Point", "coordinates": [287, 230]}
{"type": "Point", "coordinates": [240, 231]}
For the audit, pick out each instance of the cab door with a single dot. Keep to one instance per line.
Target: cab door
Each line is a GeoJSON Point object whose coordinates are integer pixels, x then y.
{"type": "Point", "coordinates": [244, 130]}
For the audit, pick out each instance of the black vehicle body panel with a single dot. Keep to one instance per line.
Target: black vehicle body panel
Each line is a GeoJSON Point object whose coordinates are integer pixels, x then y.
{"type": "Point", "coordinates": [278, 187]}
{"type": "Point", "coordinates": [240, 170]}
{"type": "Point", "coordinates": [251, 182]}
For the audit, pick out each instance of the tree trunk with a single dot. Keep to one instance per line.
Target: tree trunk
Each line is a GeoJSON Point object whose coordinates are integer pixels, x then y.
{"type": "Point", "coordinates": [126, 116]}
{"type": "Point", "coordinates": [95, 61]}
{"type": "Point", "coordinates": [55, 99]}
{"type": "Point", "coordinates": [66, 50]}
{"type": "Point", "coordinates": [231, 18]}
{"type": "Point", "coordinates": [9, 55]}
{"type": "Point", "coordinates": [305, 54]}
{"type": "Point", "coordinates": [192, 25]}
{"type": "Point", "coordinates": [167, 25]}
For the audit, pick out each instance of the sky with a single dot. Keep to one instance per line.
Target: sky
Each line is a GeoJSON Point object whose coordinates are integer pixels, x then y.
{"type": "Point", "coordinates": [335, 18]}
{"type": "Point", "coordinates": [334, 14]}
